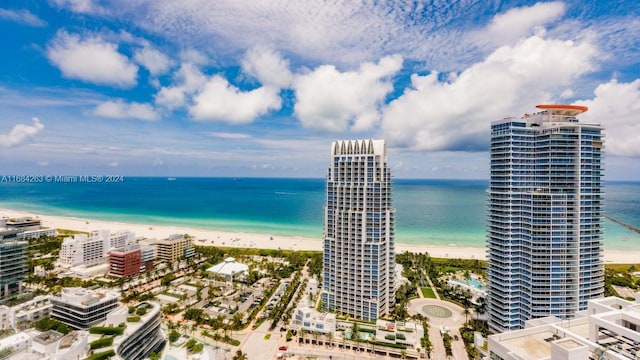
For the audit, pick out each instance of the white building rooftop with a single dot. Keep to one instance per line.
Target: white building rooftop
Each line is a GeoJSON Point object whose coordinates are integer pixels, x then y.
{"type": "Point", "coordinates": [609, 326]}
{"type": "Point", "coordinates": [82, 297]}
{"type": "Point", "coordinates": [14, 340]}
{"type": "Point", "coordinates": [229, 268]}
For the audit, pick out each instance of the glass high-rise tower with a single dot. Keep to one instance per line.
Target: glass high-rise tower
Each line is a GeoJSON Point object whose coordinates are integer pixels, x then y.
{"type": "Point", "coordinates": [358, 268]}
{"type": "Point", "coordinates": [545, 216]}
{"type": "Point", "coordinates": [14, 265]}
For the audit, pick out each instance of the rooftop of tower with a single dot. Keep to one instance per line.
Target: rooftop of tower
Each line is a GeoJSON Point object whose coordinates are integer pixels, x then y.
{"type": "Point", "coordinates": [563, 110]}
{"type": "Point", "coordinates": [549, 114]}
{"type": "Point", "coordinates": [359, 147]}
{"type": "Point", "coordinates": [552, 114]}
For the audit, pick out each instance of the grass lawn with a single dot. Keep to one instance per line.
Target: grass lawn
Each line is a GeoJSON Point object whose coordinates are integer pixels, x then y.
{"type": "Point", "coordinates": [428, 292]}
{"type": "Point", "coordinates": [621, 267]}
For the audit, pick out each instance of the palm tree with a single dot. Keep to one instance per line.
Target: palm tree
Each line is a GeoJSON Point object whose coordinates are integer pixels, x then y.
{"type": "Point", "coordinates": [217, 322]}
{"type": "Point", "coordinates": [303, 332]}
{"type": "Point", "coordinates": [216, 337]}
{"type": "Point", "coordinates": [47, 266]}
{"type": "Point", "coordinates": [466, 312]}
{"type": "Point", "coordinates": [354, 334]}
{"type": "Point", "coordinates": [316, 334]}
{"type": "Point", "coordinates": [330, 338]}
{"type": "Point", "coordinates": [372, 340]}
{"type": "Point", "coordinates": [240, 356]}
{"type": "Point", "coordinates": [481, 306]}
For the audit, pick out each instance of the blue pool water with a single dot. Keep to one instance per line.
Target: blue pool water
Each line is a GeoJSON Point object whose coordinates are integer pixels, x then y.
{"type": "Point", "coordinates": [361, 335]}
{"type": "Point", "coordinates": [473, 282]}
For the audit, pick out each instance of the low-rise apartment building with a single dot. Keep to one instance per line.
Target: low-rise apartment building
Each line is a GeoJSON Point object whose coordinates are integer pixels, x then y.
{"type": "Point", "coordinates": [125, 262]}
{"type": "Point", "coordinates": [22, 316]}
{"type": "Point", "coordinates": [173, 248]}
{"type": "Point", "coordinates": [22, 223]}
{"type": "Point", "coordinates": [82, 308]}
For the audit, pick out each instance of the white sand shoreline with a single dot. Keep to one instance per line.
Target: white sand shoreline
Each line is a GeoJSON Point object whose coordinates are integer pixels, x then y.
{"type": "Point", "coordinates": [265, 241]}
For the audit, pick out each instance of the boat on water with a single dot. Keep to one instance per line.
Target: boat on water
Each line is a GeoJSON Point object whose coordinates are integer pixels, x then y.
{"type": "Point", "coordinates": [171, 179]}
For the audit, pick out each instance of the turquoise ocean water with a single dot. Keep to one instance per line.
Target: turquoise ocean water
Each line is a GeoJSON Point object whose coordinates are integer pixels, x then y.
{"type": "Point", "coordinates": [436, 212]}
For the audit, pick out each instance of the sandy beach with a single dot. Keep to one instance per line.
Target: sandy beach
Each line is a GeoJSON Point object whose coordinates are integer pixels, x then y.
{"type": "Point", "coordinates": [266, 241]}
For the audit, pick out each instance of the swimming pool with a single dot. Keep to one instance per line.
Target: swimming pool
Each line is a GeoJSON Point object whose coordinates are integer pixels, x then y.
{"type": "Point", "coordinates": [361, 334]}
{"type": "Point", "coordinates": [473, 284]}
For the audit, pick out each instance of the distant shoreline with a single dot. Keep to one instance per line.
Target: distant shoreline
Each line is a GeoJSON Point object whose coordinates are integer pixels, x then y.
{"type": "Point", "coordinates": [431, 213]}
{"type": "Point", "coordinates": [204, 237]}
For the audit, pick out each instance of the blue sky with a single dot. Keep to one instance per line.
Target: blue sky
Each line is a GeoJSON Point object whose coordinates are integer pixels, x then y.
{"type": "Point", "coordinates": [253, 88]}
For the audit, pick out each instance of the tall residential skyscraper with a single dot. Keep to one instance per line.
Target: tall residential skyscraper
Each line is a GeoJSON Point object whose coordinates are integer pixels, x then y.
{"type": "Point", "coordinates": [359, 226]}
{"type": "Point", "coordinates": [545, 209]}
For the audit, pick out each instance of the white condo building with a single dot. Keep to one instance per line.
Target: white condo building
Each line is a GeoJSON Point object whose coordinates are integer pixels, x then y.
{"type": "Point", "coordinates": [545, 227]}
{"type": "Point", "coordinates": [608, 329]}
{"type": "Point", "coordinates": [82, 308]}
{"type": "Point", "coordinates": [83, 250]}
{"type": "Point", "coordinates": [121, 239]}
{"type": "Point", "coordinates": [358, 265]}
{"type": "Point", "coordinates": [22, 316]}
{"type": "Point", "coordinates": [309, 319]}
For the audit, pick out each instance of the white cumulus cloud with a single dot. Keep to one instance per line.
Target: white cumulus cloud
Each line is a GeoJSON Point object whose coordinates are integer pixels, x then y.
{"type": "Point", "coordinates": [214, 98]}
{"type": "Point", "coordinates": [222, 101]}
{"type": "Point", "coordinates": [519, 22]}
{"type": "Point", "coordinates": [20, 133]}
{"type": "Point", "coordinates": [189, 79]}
{"type": "Point", "coordinates": [455, 115]}
{"type": "Point", "coordinates": [331, 100]}
{"type": "Point", "coordinates": [91, 59]}
{"type": "Point", "coordinates": [156, 62]}
{"type": "Point", "coordinates": [119, 109]}
{"type": "Point", "coordinates": [268, 66]}
{"type": "Point", "coordinates": [616, 106]}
